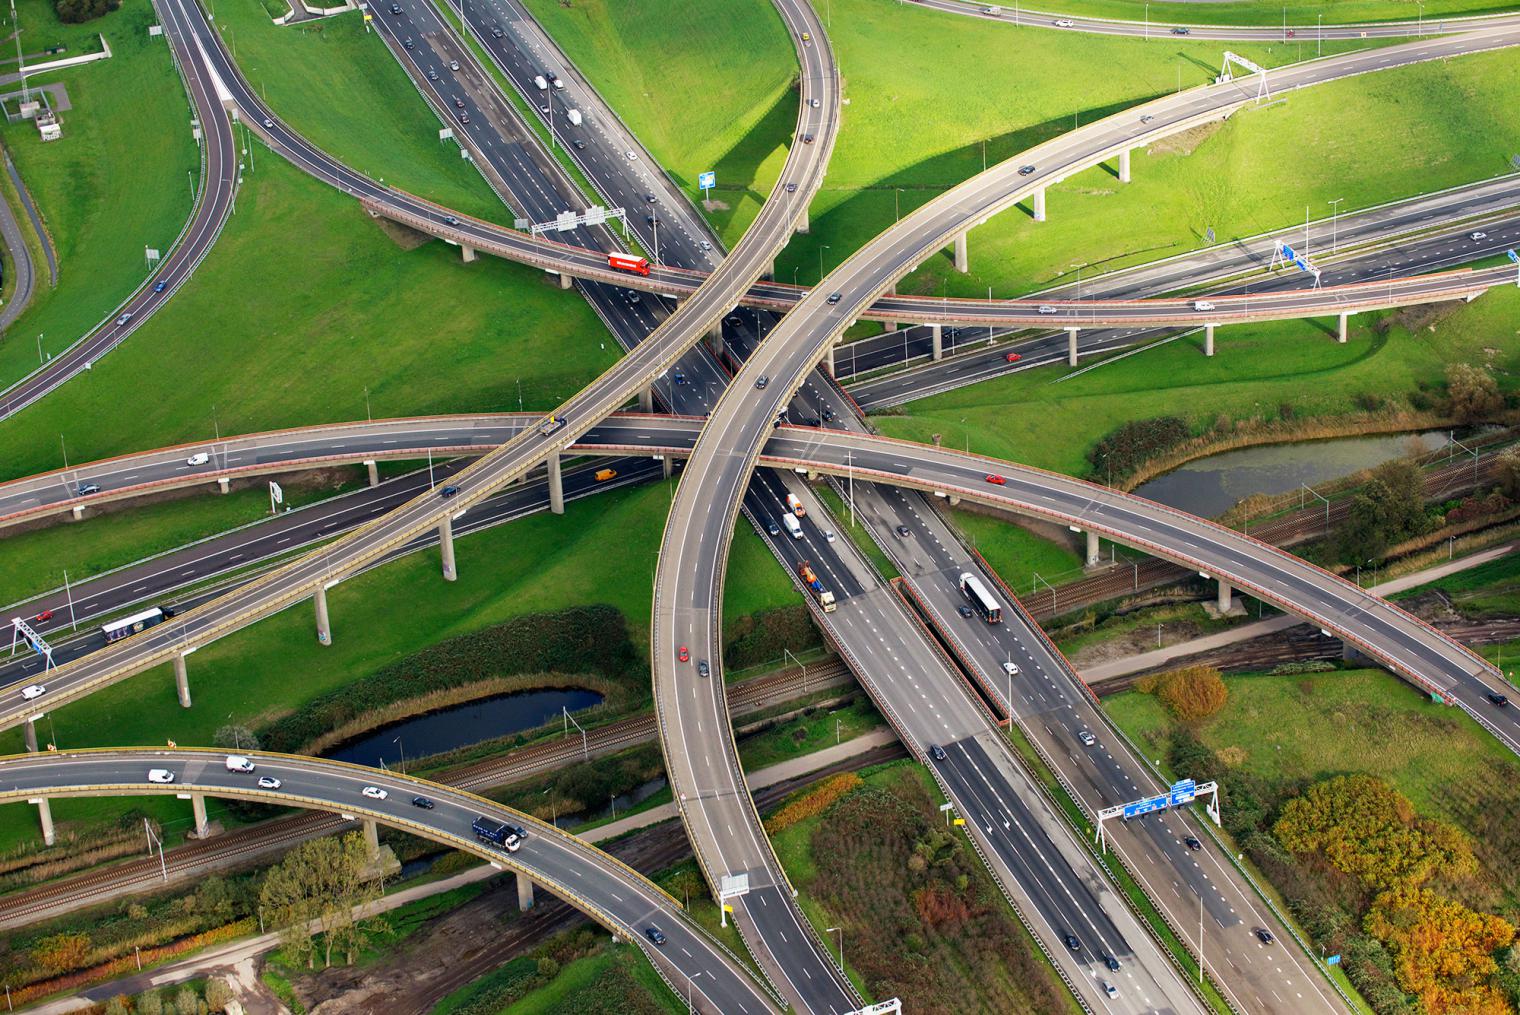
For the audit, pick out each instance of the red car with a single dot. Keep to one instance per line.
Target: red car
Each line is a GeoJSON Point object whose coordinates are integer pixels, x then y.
{"type": "Point", "coordinates": [43, 617]}
{"type": "Point", "coordinates": [996, 480]}
{"type": "Point", "coordinates": [1013, 357]}
{"type": "Point", "coordinates": [684, 655]}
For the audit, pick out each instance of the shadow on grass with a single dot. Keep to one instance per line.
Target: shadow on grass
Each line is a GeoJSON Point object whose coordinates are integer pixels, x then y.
{"type": "Point", "coordinates": [736, 168]}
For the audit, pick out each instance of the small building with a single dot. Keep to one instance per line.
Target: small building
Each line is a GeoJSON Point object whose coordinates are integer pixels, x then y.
{"type": "Point", "coordinates": [48, 126]}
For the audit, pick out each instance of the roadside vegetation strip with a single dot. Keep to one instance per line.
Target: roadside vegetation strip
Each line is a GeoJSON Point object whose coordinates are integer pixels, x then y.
{"type": "Point", "coordinates": [104, 193]}
{"type": "Point", "coordinates": [1258, 14]}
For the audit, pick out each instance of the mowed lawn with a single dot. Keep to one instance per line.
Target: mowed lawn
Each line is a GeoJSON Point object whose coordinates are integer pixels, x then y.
{"type": "Point", "coordinates": [600, 551]}
{"type": "Point", "coordinates": [339, 86]}
{"type": "Point", "coordinates": [118, 181]}
{"type": "Point", "coordinates": [1256, 12]}
{"type": "Point", "coordinates": [702, 89]}
{"type": "Point", "coordinates": [303, 304]}
{"type": "Point", "coordinates": [1035, 418]}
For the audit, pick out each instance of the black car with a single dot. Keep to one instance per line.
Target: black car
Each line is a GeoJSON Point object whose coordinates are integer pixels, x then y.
{"type": "Point", "coordinates": [791, 188]}
{"type": "Point", "coordinates": [1111, 962]}
{"type": "Point", "coordinates": [423, 802]}
{"type": "Point", "coordinates": [395, 8]}
{"type": "Point", "coordinates": [653, 934]}
{"type": "Point", "coordinates": [702, 669]}
{"type": "Point", "coordinates": [464, 117]}
{"type": "Point", "coordinates": [762, 381]}
{"type": "Point", "coordinates": [496, 32]}
{"type": "Point", "coordinates": [902, 530]}
{"type": "Point", "coordinates": [88, 488]}
{"type": "Point", "coordinates": [1025, 170]}
{"type": "Point", "coordinates": [1073, 943]}
{"type": "Point", "coordinates": [834, 298]}
{"type": "Point", "coordinates": [448, 491]}
{"type": "Point", "coordinates": [937, 752]}
{"type": "Point", "coordinates": [1264, 936]}
{"type": "Point", "coordinates": [773, 529]}
{"type": "Point", "coordinates": [458, 102]}
{"type": "Point", "coordinates": [1498, 699]}
{"type": "Point", "coordinates": [579, 144]}
{"type": "Point", "coordinates": [828, 414]}
{"type": "Point", "coordinates": [1193, 843]}
{"type": "Point", "coordinates": [807, 139]}
{"type": "Point", "coordinates": [964, 611]}
{"type": "Point", "coordinates": [650, 198]}
{"type": "Point", "coordinates": [1182, 31]}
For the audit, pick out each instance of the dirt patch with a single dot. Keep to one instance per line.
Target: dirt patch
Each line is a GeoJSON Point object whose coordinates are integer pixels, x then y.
{"type": "Point", "coordinates": [402, 236]}
{"type": "Point", "coordinates": [715, 205]}
{"type": "Point", "coordinates": [1426, 315]}
{"type": "Point", "coordinates": [1187, 141]}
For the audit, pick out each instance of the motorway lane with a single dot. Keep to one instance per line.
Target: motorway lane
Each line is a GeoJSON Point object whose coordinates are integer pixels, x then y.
{"type": "Point", "coordinates": [1053, 709]}
{"type": "Point", "coordinates": [587, 878]}
{"type": "Point", "coordinates": [220, 176]}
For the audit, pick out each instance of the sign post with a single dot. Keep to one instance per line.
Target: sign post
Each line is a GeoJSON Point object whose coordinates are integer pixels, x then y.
{"type": "Point", "coordinates": [1515, 258]}
{"type": "Point", "coordinates": [707, 181]}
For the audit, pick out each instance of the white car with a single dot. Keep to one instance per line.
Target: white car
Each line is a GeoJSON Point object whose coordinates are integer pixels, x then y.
{"type": "Point", "coordinates": [199, 458]}
{"type": "Point", "coordinates": [631, 156]}
{"type": "Point", "coordinates": [1087, 738]}
{"type": "Point", "coordinates": [1064, 23]}
{"type": "Point", "coordinates": [828, 535]}
{"type": "Point", "coordinates": [238, 763]}
{"type": "Point", "coordinates": [1109, 989]}
{"type": "Point", "coordinates": [375, 793]}
{"type": "Point", "coordinates": [268, 782]}
{"type": "Point", "coordinates": [1011, 668]}
{"type": "Point", "coordinates": [1046, 308]}
{"type": "Point", "coordinates": [1202, 305]}
{"type": "Point", "coordinates": [1477, 236]}
{"type": "Point", "coordinates": [32, 691]}
{"type": "Point", "coordinates": [160, 775]}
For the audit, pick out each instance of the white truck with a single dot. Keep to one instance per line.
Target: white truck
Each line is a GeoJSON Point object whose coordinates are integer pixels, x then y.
{"type": "Point", "coordinates": [792, 525]}
{"type": "Point", "coordinates": [795, 504]}
{"type": "Point", "coordinates": [574, 116]}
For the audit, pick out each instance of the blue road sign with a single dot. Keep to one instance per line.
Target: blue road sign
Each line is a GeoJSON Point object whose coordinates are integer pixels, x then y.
{"type": "Point", "coordinates": [707, 180]}
{"type": "Point", "coordinates": [1333, 960]}
{"type": "Point", "coordinates": [1139, 807]}
{"type": "Point", "coordinates": [1183, 794]}
{"type": "Point", "coordinates": [1512, 256]}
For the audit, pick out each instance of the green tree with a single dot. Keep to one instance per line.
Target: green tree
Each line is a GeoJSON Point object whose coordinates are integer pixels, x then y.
{"type": "Point", "coordinates": [150, 1004]}
{"type": "Point", "coordinates": [1389, 508]}
{"type": "Point", "coordinates": [214, 898]}
{"type": "Point", "coordinates": [1473, 392]}
{"type": "Point", "coordinates": [185, 1002]}
{"type": "Point", "coordinates": [117, 1006]}
{"type": "Point", "coordinates": [235, 737]}
{"type": "Point", "coordinates": [218, 993]}
{"type": "Point", "coordinates": [314, 891]}
{"type": "Point", "coordinates": [1507, 472]}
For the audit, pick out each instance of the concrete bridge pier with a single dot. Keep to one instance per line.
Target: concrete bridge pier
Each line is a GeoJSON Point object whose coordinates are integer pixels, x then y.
{"type": "Point", "coordinates": [467, 252]}
{"type": "Point", "coordinates": [181, 680]}
{"type": "Point", "coordinates": [802, 221]}
{"type": "Point", "coordinates": [1208, 340]}
{"type": "Point", "coordinates": [374, 471]}
{"type": "Point", "coordinates": [962, 257]}
{"type": "Point", "coordinates": [31, 735]}
{"type": "Point", "coordinates": [224, 484]}
{"type": "Point", "coordinates": [45, 812]}
{"type": "Point", "coordinates": [1124, 166]}
{"type": "Point", "coordinates": [715, 339]}
{"type": "Point", "coordinates": [646, 399]}
{"type": "Point", "coordinates": [1071, 346]}
{"type": "Point", "coordinates": [372, 837]}
{"type": "Point", "coordinates": [939, 342]}
{"type": "Point", "coordinates": [1094, 557]}
{"type": "Point", "coordinates": [324, 628]}
{"type": "Point", "coordinates": [524, 892]}
{"type": "Point", "coordinates": [77, 512]}
{"type": "Point", "coordinates": [198, 808]}
{"type": "Point", "coordinates": [1039, 205]}
{"type": "Point", "coordinates": [556, 486]}
{"type": "Point", "coordinates": [1341, 334]}
{"type": "Point", "coordinates": [446, 547]}
{"type": "Point", "coordinates": [1224, 595]}
{"type": "Point", "coordinates": [667, 466]}
{"type": "Point", "coordinates": [565, 281]}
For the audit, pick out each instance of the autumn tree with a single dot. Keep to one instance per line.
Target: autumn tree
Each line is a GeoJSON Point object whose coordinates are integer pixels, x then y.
{"type": "Point", "coordinates": [315, 890]}
{"type": "Point", "coordinates": [1507, 472]}
{"type": "Point", "coordinates": [1192, 692]}
{"type": "Point", "coordinates": [61, 953]}
{"type": "Point", "coordinates": [1443, 951]}
{"type": "Point", "coordinates": [1473, 392]}
{"type": "Point", "coordinates": [1389, 508]}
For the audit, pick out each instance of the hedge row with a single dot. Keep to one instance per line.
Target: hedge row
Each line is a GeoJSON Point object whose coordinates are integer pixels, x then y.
{"type": "Point", "coordinates": [582, 639]}
{"type": "Point", "coordinates": [1133, 444]}
{"type": "Point", "coordinates": [814, 801]}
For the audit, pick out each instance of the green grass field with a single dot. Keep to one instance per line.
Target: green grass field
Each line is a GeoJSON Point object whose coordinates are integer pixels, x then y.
{"type": "Point", "coordinates": [340, 87]}
{"type": "Point", "coordinates": [1491, 589]}
{"type": "Point", "coordinates": [1257, 369]}
{"type": "Point", "coordinates": [538, 564]}
{"type": "Point", "coordinates": [1255, 12]}
{"type": "Point", "coordinates": [268, 335]}
{"type": "Point", "coordinates": [1015, 553]}
{"type": "Point", "coordinates": [118, 181]}
{"type": "Point", "coordinates": [34, 562]}
{"type": "Point", "coordinates": [702, 90]}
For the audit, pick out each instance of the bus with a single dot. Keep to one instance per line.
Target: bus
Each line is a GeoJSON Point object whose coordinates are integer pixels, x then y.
{"type": "Point", "coordinates": [981, 601]}
{"type": "Point", "coordinates": [627, 262]}
{"type": "Point", "coordinates": [128, 626]}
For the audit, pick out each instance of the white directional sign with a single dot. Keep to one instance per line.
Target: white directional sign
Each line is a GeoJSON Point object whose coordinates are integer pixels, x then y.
{"type": "Point", "coordinates": [707, 181]}
{"type": "Point", "coordinates": [565, 221]}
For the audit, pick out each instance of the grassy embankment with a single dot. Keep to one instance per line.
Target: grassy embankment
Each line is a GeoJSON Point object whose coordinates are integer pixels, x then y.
{"type": "Point", "coordinates": [118, 180]}
{"type": "Point", "coordinates": [701, 92]}
{"type": "Point", "coordinates": [1256, 12]}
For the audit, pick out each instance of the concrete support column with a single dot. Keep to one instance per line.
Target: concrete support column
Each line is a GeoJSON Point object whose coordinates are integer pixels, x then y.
{"type": "Point", "coordinates": [224, 484]}
{"type": "Point", "coordinates": [1071, 347]}
{"type": "Point", "coordinates": [198, 808]}
{"type": "Point", "coordinates": [1092, 548]}
{"type": "Point", "coordinates": [374, 472]}
{"type": "Point", "coordinates": [939, 343]}
{"type": "Point", "coordinates": [565, 281]}
{"type": "Point", "coordinates": [181, 680]}
{"type": "Point", "coordinates": [962, 257]}
{"type": "Point", "coordinates": [953, 499]}
{"type": "Point", "coordinates": [372, 837]}
{"type": "Point", "coordinates": [78, 511]}
{"type": "Point", "coordinates": [1341, 335]}
{"type": "Point", "coordinates": [45, 812]}
{"type": "Point", "coordinates": [467, 252]}
{"type": "Point", "coordinates": [1225, 592]}
{"type": "Point", "coordinates": [1039, 205]}
{"type": "Point", "coordinates": [1124, 166]}
{"type": "Point", "coordinates": [715, 339]}
{"type": "Point", "coordinates": [646, 399]}
{"type": "Point", "coordinates": [802, 223]}
{"type": "Point", "coordinates": [667, 466]}
{"type": "Point", "coordinates": [324, 627]}
{"type": "Point", "coordinates": [446, 547]}
{"type": "Point", "coordinates": [828, 360]}
{"type": "Point", "coordinates": [1208, 340]}
{"type": "Point", "coordinates": [524, 893]}
{"type": "Point", "coordinates": [556, 486]}
{"type": "Point", "coordinates": [31, 735]}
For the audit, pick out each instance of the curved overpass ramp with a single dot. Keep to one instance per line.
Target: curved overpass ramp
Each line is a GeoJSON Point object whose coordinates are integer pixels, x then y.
{"type": "Point", "coordinates": [603, 888]}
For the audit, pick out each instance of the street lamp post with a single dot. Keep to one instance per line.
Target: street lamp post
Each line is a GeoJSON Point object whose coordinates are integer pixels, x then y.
{"type": "Point", "coordinates": [840, 932]}
{"type": "Point", "coordinates": [821, 248]}
{"type": "Point", "coordinates": [402, 748]}
{"type": "Point", "coordinates": [1334, 226]}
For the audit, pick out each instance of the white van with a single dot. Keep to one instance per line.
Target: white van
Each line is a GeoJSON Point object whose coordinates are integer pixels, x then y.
{"type": "Point", "coordinates": [540, 83]}
{"type": "Point", "coordinates": [1202, 305]}
{"type": "Point", "coordinates": [238, 763]}
{"type": "Point", "coordinates": [574, 116]}
{"type": "Point", "coordinates": [160, 775]}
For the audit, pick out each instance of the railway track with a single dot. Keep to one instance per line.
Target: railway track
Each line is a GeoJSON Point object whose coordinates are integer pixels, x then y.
{"type": "Point", "coordinates": [244, 845]}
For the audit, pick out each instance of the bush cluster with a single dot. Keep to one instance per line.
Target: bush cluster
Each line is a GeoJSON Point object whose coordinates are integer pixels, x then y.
{"type": "Point", "coordinates": [1133, 444]}
{"type": "Point", "coordinates": [582, 639]}
{"type": "Point", "coordinates": [1190, 693]}
{"type": "Point", "coordinates": [74, 12]}
{"type": "Point", "coordinates": [815, 801]}
{"type": "Point", "coordinates": [760, 637]}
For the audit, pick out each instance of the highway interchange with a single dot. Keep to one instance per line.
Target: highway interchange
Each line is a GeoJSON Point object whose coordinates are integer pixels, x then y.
{"type": "Point", "coordinates": [932, 474]}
